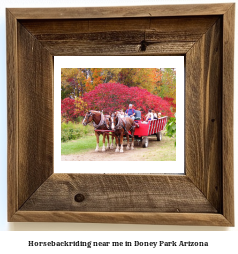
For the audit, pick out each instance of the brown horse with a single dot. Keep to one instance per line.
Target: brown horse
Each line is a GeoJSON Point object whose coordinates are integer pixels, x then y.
{"type": "Point", "coordinates": [100, 122]}
{"type": "Point", "coordinates": [121, 127]}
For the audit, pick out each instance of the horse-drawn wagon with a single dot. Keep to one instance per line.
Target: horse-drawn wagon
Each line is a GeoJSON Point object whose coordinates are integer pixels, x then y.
{"type": "Point", "coordinates": [146, 129]}
{"type": "Point", "coordinates": [119, 127]}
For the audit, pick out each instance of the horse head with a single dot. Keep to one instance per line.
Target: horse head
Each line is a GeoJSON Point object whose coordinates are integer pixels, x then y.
{"type": "Point", "coordinates": [87, 118]}
{"type": "Point", "coordinates": [114, 120]}
{"type": "Point", "coordinates": [107, 120]}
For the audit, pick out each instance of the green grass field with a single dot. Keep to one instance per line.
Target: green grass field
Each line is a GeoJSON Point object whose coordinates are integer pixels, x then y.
{"type": "Point", "coordinates": [78, 139]}
{"type": "Point", "coordinates": [156, 151]}
{"type": "Point", "coordinates": [80, 145]}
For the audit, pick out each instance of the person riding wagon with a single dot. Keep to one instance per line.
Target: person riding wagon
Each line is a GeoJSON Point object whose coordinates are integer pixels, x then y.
{"type": "Point", "coordinates": [130, 112]}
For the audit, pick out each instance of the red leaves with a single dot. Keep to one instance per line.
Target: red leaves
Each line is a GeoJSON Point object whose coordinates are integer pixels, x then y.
{"type": "Point", "coordinates": [171, 102]}
{"type": "Point", "coordinates": [110, 97]}
{"type": "Point", "coordinates": [114, 96]}
{"type": "Point", "coordinates": [68, 111]}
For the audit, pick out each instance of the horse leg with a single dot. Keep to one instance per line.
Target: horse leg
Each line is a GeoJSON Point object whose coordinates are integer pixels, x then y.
{"type": "Point", "coordinates": [103, 142]}
{"type": "Point", "coordinates": [132, 143]}
{"type": "Point", "coordinates": [108, 142]}
{"type": "Point", "coordinates": [97, 138]}
{"type": "Point", "coordinates": [128, 144]}
{"type": "Point", "coordinates": [132, 139]}
{"type": "Point", "coordinates": [121, 141]}
{"type": "Point", "coordinates": [117, 144]}
{"type": "Point", "coordinates": [111, 146]}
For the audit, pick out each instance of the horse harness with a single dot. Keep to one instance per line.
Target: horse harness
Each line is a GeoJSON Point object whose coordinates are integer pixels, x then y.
{"type": "Point", "coordinates": [101, 123]}
{"type": "Point", "coordinates": [121, 124]}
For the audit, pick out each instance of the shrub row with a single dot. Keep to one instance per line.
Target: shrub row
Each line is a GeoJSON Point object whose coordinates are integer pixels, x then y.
{"type": "Point", "coordinates": [72, 131]}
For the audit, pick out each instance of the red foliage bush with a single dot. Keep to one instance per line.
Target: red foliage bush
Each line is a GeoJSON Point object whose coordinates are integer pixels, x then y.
{"type": "Point", "coordinates": [110, 97]}
{"type": "Point", "coordinates": [171, 102]}
{"type": "Point", "coordinates": [68, 112]}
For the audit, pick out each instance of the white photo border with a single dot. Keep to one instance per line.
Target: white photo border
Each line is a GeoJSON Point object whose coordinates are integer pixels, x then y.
{"type": "Point", "coordinates": [135, 167]}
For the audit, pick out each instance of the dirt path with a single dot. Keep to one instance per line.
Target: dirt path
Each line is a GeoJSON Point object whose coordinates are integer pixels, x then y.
{"type": "Point", "coordinates": [156, 151]}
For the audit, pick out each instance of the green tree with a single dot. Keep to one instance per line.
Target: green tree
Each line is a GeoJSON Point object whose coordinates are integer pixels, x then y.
{"type": "Point", "coordinates": [167, 87]}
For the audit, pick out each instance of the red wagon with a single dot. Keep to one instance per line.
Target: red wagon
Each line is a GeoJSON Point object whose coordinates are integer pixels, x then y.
{"type": "Point", "coordinates": [146, 129]}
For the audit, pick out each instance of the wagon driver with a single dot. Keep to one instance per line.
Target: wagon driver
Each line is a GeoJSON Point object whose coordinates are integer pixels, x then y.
{"type": "Point", "coordinates": [130, 112]}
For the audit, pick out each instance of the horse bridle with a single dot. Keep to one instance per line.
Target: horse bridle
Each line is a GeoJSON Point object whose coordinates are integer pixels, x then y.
{"type": "Point", "coordinates": [88, 115]}
{"type": "Point", "coordinates": [114, 116]}
{"type": "Point", "coordinates": [120, 124]}
{"type": "Point", "coordinates": [101, 123]}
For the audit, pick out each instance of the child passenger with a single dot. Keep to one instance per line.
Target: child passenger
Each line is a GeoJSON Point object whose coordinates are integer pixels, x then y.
{"type": "Point", "coordinates": [122, 113]}
{"type": "Point", "coordinates": [149, 116]}
{"type": "Point", "coordinates": [154, 114]}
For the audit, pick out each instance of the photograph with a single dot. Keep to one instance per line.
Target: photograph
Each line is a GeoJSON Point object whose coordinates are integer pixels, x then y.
{"type": "Point", "coordinates": [113, 113]}
{"type": "Point", "coordinates": [123, 109]}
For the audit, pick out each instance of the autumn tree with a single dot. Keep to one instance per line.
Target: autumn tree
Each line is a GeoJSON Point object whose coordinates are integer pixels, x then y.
{"type": "Point", "coordinates": [66, 88]}
{"type": "Point", "coordinates": [68, 112]}
{"type": "Point", "coordinates": [98, 76]}
{"type": "Point", "coordinates": [114, 96]}
{"type": "Point", "coordinates": [147, 78]}
{"type": "Point", "coordinates": [73, 82]}
{"type": "Point", "coordinates": [111, 75]}
{"type": "Point", "coordinates": [76, 82]}
{"type": "Point", "coordinates": [126, 76]}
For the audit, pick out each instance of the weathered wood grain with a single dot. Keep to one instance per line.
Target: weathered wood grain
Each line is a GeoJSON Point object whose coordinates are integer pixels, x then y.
{"type": "Point", "coordinates": [121, 11]}
{"type": "Point", "coordinates": [77, 26]}
{"type": "Point", "coordinates": [114, 193]}
{"type": "Point", "coordinates": [204, 115]}
{"type": "Point", "coordinates": [189, 25]}
{"type": "Point", "coordinates": [207, 187]}
{"type": "Point", "coordinates": [192, 219]}
{"type": "Point", "coordinates": [12, 114]}
{"type": "Point", "coordinates": [227, 113]}
{"type": "Point", "coordinates": [71, 48]}
{"type": "Point", "coordinates": [119, 36]}
{"type": "Point", "coordinates": [178, 25]}
{"type": "Point", "coordinates": [35, 102]}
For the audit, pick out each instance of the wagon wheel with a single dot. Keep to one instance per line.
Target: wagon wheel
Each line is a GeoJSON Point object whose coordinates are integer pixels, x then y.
{"type": "Point", "coordinates": [159, 136]}
{"type": "Point", "coordinates": [145, 142]}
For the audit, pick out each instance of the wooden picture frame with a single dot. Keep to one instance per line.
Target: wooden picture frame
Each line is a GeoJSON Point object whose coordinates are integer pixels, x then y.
{"type": "Point", "coordinates": [204, 34]}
